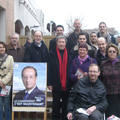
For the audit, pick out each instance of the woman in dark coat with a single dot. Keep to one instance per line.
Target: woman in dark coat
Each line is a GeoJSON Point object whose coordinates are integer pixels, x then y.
{"type": "Point", "coordinates": [58, 77]}
{"type": "Point", "coordinates": [110, 76]}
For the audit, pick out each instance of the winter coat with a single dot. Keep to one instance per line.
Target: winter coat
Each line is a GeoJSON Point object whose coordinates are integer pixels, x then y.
{"type": "Point", "coordinates": [53, 78]}
{"type": "Point", "coordinates": [86, 94]}
{"type": "Point", "coordinates": [6, 71]}
{"type": "Point", "coordinates": [76, 64]}
{"type": "Point", "coordinates": [113, 40]}
{"type": "Point", "coordinates": [33, 53]}
{"type": "Point", "coordinates": [110, 76]}
{"type": "Point", "coordinates": [100, 57]}
{"type": "Point", "coordinates": [18, 54]}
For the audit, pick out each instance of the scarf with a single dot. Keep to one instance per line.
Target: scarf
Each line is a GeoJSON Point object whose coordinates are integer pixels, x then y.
{"type": "Point", "coordinates": [107, 37]}
{"type": "Point", "coordinates": [2, 57]}
{"type": "Point", "coordinates": [63, 67]}
{"type": "Point", "coordinates": [82, 60]}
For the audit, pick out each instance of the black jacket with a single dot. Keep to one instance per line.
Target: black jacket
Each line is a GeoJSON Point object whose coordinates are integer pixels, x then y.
{"type": "Point", "coordinates": [113, 40]}
{"type": "Point", "coordinates": [53, 78]}
{"type": "Point", "coordinates": [86, 94]}
{"type": "Point", "coordinates": [100, 57]}
{"type": "Point", "coordinates": [33, 53]}
{"type": "Point", "coordinates": [74, 37]}
{"type": "Point", "coordinates": [69, 44]}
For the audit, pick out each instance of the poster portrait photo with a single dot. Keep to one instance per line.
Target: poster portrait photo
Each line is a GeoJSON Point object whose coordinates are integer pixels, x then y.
{"type": "Point", "coordinates": [29, 85]}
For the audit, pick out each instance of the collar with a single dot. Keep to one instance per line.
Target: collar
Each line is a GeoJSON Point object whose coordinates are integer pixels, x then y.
{"type": "Point", "coordinates": [76, 47]}
{"type": "Point", "coordinates": [37, 44]}
{"type": "Point", "coordinates": [30, 90]}
{"type": "Point", "coordinates": [93, 82]}
{"type": "Point", "coordinates": [10, 46]}
{"type": "Point", "coordinates": [102, 54]}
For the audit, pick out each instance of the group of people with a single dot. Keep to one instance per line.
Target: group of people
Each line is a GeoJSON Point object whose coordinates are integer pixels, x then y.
{"type": "Point", "coordinates": [83, 70]}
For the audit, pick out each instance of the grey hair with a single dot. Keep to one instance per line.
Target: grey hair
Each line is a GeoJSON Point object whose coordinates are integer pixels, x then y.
{"type": "Point", "coordinates": [29, 38]}
{"type": "Point", "coordinates": [77, 20]}
{"type": "Point", "coordinates": [61, 37]}
{"type": "Point", "coordinates": [14, 34]}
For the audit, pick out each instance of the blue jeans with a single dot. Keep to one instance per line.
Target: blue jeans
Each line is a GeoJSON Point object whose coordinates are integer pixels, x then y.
{"type": "Point", "coordinates": [7, 110]}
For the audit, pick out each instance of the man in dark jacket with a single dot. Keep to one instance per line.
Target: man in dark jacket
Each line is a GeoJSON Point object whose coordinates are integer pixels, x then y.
{"type": "Point", "coordinates": [89, 94]}
{"type": "Point", "coordinates": [103, 33]}
{"type": "Point", "coordinates": [15, 49]}
{"type": "Point", "coordinates": [60, 31]}
{"type": "Point", "coordinates": [37, 50]}
{"type": "Point", "coordinates": [74, 35]}
{"type": "Point", "coordinates": [82, 39]}
{"type": "Point", "coordinates": [101, 53]}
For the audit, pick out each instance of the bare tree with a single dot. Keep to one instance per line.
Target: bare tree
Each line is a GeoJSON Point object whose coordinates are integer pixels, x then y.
{"type": "Point", "coordinates": [69, 22]}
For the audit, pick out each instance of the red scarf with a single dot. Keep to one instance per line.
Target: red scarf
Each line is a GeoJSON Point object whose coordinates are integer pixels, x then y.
{"type": "Point", "coordinates": [63, 67]}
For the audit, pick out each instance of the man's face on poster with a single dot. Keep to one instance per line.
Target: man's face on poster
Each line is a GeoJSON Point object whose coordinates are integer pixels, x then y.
{"type": "Point", "coordinates": [29, 79]}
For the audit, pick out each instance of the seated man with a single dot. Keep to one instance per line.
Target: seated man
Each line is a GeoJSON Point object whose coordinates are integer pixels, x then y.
{"type": "Point", "coordinates": [89, 93]}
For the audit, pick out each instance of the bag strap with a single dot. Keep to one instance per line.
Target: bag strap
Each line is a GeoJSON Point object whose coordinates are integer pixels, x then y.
{"type": "Point", "coordinates": [3, 60]}
{"type": "Point", "coordinates": [91, 60]}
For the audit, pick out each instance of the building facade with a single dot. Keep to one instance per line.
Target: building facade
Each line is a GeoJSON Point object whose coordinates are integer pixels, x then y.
{"type": "Point", "coordinates": [21, 16]}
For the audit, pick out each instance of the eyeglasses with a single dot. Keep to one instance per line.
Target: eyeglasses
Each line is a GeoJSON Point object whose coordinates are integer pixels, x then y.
{"type": "Point", "coordinates": [82, 50]}
{"type": "Point", "coordinates": [93, 72]}
{"type": "Point", "coordinates": [112, 51]}
{"type": "Point", "coordinates": [25, 78]}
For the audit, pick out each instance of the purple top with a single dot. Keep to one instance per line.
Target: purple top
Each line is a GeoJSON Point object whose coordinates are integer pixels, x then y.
{"type": "Point", "coordinates": [76, 64]}
{"type": "Point", "coordinates": [114, 61]}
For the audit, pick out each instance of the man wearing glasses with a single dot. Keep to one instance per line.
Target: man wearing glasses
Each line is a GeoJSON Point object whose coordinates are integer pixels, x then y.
{"type": "Point", "coordinates": [15, 49]}
{"type": "Point", "coordinates": [89, 94]}
{"type": "Point", "coordinates": [31, 92]}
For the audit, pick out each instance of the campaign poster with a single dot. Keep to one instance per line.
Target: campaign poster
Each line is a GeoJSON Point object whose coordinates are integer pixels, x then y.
{"type": "Point", "coordinates": [29, 87]}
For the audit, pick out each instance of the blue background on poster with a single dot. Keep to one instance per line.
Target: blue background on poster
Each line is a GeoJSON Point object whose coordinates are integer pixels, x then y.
{"type": "Point", "coordinates": [41, 71]}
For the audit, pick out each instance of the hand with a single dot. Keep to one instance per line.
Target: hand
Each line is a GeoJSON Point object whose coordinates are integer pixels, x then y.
{"type": "Point", "coordinates": [50, 87]}
{"type": "Point", "coordinates": [1, 84]}
{"type": "Point", "coordinates": [85, 74]}
{"type": "Point", "coordinates": [79, 77]}
{"type": "Point", "coordinates": [91, 109]}
{"type": "Point", "coordinates": [69, 116]}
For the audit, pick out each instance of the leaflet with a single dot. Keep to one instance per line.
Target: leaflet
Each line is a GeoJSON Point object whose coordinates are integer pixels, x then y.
{"type": "Point", "coordinates": [81, 110]}
{"type": "Point", "coordinates": [5, 91]}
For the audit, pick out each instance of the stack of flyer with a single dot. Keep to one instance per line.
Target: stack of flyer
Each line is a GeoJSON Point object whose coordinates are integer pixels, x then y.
{"type": "Point", "coordinates": [113, 117]}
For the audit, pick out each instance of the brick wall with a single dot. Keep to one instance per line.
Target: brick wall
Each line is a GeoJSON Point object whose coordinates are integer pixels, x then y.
{"type": "Point", "coordinates": [8, 5]}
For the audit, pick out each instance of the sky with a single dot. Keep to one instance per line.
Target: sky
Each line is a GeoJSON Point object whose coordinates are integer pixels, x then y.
{"type": "Point", "coordinates": [93, 12]}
